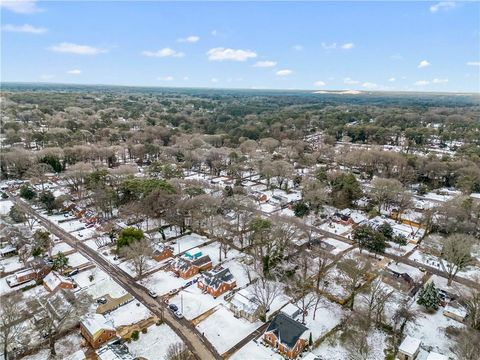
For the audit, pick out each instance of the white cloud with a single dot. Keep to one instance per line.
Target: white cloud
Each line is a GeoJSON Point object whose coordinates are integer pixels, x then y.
{"type": "Point", "coordinates": [369, 85]}
{"type": "Point", "coordinates": [221, 54]}
{"type": "Point", "coordinates": [24, 29]}
{"type": "Point", "coordinates": [190, 39]}
{"type": "Point", "coordinates": [440, 81]}
{"type": "Point", "coordinates": [264, 64]}
{"type": "Point", "coordinates": [186, 78]}
{"type": "Point", "coordinates": [331, 46]}
{"type": "Point", "coordinates": [421, 83]}
{"type": "Point", "coordinates": [350, 81]}
{"type": "Point", "coordinates": [473, 63]}
{"type": "Point", "coordinates": [423, 63]}
{"type": "Point", "coordinates": [21, 6]}
{"type": "Point", "coordinates": [297, 47]}
{"type": "Point", "coordinates": [284, 72]}
{"type": "Point", "coordinates": [442, 5]}
{"type": "Point", "coordinates": [319, 83]}
{"type": "Point", "coordinates": [392, 79]}
{"type": "Point", "coordinates": [166, 78]}
{"type": "Point", "coordinates": [214, 32]}
{"type": "Point", "coordinates": [214, 80]}
{"type": "Point", "coordinates": [77, 49]}
{"type": "Point", "coordinates": [74, 72]}
{"type": "Point", "coordinates": [165, 52]}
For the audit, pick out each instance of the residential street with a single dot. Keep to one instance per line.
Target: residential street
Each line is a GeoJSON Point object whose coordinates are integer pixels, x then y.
{"type": "Point", "coordinates": [199, 346]}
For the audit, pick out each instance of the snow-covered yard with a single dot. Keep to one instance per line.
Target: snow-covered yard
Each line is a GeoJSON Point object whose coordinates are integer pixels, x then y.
{"type": "Point", "coordinates": [10, 264]}
{"type": "Point", "coordinates": [101, 285]}
{"type": "Point", "coordinates": [154, 344]}
{"type": "Point", "coordinates": [5, 206]}
{"type": "Point", "coordinates": [76, 260]}
{"type": "Point", "coordinates": [195, 302]}
{"type": "Point", "coordinates": [187, 242]}
{"type": "Point", "coordinates": [162, 282]}
{"type": "Point", "coordinates": [255, 351]}
{"type": "Point", "coordinates": [224, 331]}
{"type": "Point", "coordinates": [339, 245]}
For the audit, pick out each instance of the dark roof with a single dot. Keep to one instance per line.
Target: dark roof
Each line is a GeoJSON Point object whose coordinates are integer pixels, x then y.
{"type": "Point", "coordinates": [202, 260]}
{"type": "Point", "coordinates": [214, 278]}
{"type": "Point", "coordinates": [286, 329]}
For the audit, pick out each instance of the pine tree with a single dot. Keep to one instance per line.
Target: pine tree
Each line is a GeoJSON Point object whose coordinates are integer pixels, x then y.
{"type": "Point", "coordinates": [429, 296]}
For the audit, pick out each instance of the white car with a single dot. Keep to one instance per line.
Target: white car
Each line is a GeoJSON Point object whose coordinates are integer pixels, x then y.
{"type": "Point", "coordinates": [178, 314]}
{"type": "Point", "coordinates": [152, 293]}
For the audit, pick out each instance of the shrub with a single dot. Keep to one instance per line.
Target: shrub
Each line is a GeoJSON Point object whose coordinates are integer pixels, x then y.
{"type": "Point", "coordinates": [135, 335]}
{"type": "Point", "coordinates": [144, 330]}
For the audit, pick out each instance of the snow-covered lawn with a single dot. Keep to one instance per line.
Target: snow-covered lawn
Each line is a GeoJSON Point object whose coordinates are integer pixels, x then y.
{"type": "Point", "coordinates": [61, 247]}
{"type": "Point", "coordinates": [154, 344]}
{"type": "Point", "coordinates": [5, 289]}
{"type": "Point", "coordinates": [101, 285]}
{"type": "Point", "coordinates": [224, 331]}
{"type": "Point", "coordinates": [195, 302]}
{"type": "Point", "coordinates": [162, 282]}
{"type": "Point", "coordinates": [65, 346]}
{"type": "Point", "coordinates": [398, 250]}
{"type": "Point", "coordinates": [430, 329]}
{"type": "Point", "coordinates": [187, 242]}
{"type": "Point", "coordinates": [129, 268]}
{"type": "Point", "coordinates": [77, 260]}
{"type": "Point", "coordinates": [339, 245]}
{"type": "Point", "coordinates": [327, 316]}
{"type": "Point", "coordinates": [255, 351]}
{"type": "Point", "coordinates": [128, 314]}
{"type": "Point", "coordinates": [238, 271]}
{"type": "Point", "coordinates": [268, 208]}
{"type": "Point", "coordinates": [5, 206]}
{"type": "Point", "coordinates": [336, 228]}
{"type": "Point", "coordinates": [10, 264]}
{"type": "Point", "coordinates": [332, 349]}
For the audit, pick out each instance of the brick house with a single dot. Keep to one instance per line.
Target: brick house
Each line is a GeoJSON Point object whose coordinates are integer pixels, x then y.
{"type": "Point", "coordinates": [216, 281]}
{"type": "Point", "coordinates": [186, 268]}
{"type": "Point", "coordinates": [54, 281]}
{"type": "Point", "coordinates": [38, 269]}
{"type": "Point", "coordinates": [286, 335]}
{"type": "Point", "coordinates": [162, 252]}
{"type": "Point", "coordinates": [97, 330]}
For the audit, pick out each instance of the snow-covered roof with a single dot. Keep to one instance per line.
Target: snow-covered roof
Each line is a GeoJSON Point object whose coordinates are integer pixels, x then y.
{"type": "Point", "coordinates": [436, 356]}
{"type": "Point", "coordinates": [53, 280]}
{"type": "Point", "coordinates": [410, 346]}
{"type": "Point", "coordinates": [291, 310]}
{"type": "Point", "coordinates": [7, 249]}
{"type": "Point", "coordinates": [95, 323]}
{"type": "Point", "coordinates": [455, 309]}
{"type": "Point", "coordinates": [244, 300]}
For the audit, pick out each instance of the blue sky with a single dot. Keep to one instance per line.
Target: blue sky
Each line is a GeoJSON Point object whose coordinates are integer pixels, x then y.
{"type": "Point", "coordinates": [407, 46]}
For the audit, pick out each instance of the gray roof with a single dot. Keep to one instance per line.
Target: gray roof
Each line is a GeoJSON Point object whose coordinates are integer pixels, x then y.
{"type": "Point", "coordinates": [286, 329]}
{"type": "Point", "coordinates": [214, 278]}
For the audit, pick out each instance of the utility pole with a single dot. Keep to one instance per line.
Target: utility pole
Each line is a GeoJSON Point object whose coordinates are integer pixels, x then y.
{"type": "Point", "coordinates": [181, 302]}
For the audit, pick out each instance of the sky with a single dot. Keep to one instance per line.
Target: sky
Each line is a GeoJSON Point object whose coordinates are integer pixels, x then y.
{"type": "Point", "coordinates": [392, 46]}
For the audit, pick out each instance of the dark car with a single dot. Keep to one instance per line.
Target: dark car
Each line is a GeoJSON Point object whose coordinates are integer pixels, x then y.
{"type": "Point", "coordinates": [73, 272]}
{"type": "Point", "coordinates": [173, 307]}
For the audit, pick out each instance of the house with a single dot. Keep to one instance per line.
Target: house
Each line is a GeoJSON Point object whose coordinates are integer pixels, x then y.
{"type": "Point", "coordinates": [38, 269]}
{"type": "Point", "coordinates": [54, 281]}
{"type": "Point", "coordinates": [407, 273]}
{"type": "Point", "coordinates": [287, 336]}
{"type": "Point", "coordinates": [186, 268]}
{"type": "Point", "coordinates": [436, 356]}
{"type": "Point", "coordinates": [162, 252]}
{"type": "Point", "coordinates": [245, 305]}
{"type": "Point", "coordinates": [455, 311]}
{"type": "Point", "coordinates": [8, 250]}
{"type": "Point", "coordinates": [409, 348]}
{"type": "Point", "coordinates": [97, 330]}
{"type": "Point", "coordinates": [193, 254]}
{"type": "Point", "coordinates": [217, 281]}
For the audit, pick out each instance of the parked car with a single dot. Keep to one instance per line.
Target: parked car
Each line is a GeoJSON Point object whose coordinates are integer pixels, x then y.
{"type": "Point", "coordinates": [73, 272]}
{"type": "Point", "coordinates": [152, 293]}
{"type": "Point", "coordinates": [173, 307]}
{"type": "Point", "coordinates": [178, 314]}
{"type": "Point", "coordinates": [173, 291]}
{"type": "Point", "coordinates": [102, 301]}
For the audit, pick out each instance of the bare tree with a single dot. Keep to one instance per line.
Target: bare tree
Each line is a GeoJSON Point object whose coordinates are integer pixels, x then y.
{"type": "Point", "coordinates": [11, 331]}
{"type": "Point", "coordinates": [264, 292]}
{"type": "Point", "coordinates": [456, 254]}
{"type": "Point", "coordinates": [385, 191]}
{"type": "Point", "coordinates": [178, 351]}
{"type": "Point", "coordinates": [302, 284]}
{"type": "Point", "coordinates": [401, 318]}
{"type": "Point", "coordinates": [139, 253]}
{"type": "Point", "coordinates": [61, 312]}
{"type": "Point", "coordinates": [356, 336]}
{"type": "Point", "coordinates": [472, 304]}
{"type": "Point", "coordinates": [375, 298]}
{"type": "Point", "coordinates": [467, 346]}
{"type": "Point", "coordinates": [353, 273]}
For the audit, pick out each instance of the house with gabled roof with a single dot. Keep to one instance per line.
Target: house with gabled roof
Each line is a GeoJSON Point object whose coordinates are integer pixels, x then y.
{"type": "Point", "coordinates": [188, 266]}
{"type": "Point", "coordinates": [286, 335]}
{"type": "Point", "coordinates": [162, 252]}
{"type": "Point", "coordinates": [97, 330]}
{"type": "Point", "coordinates": [217, 281]}
{"type": "Point", "coordinates": [54, 281]}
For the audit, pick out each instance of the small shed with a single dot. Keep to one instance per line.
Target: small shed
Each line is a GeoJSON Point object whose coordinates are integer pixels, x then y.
{"type": "Point", "coordinates": [409, 348]}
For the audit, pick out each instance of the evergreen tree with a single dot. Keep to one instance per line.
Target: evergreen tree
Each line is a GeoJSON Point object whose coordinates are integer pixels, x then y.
{"type": "Point", "coordinates": [429, 297]}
